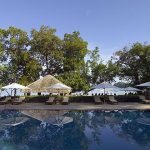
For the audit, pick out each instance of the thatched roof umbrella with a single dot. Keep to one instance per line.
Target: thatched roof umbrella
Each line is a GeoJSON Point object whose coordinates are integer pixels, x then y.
{"type": "Point", "coordinates": [41, 84]}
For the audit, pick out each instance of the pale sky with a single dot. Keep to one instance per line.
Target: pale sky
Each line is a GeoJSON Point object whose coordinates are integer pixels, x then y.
{"type": "Point", "coordinates": [108, 24]}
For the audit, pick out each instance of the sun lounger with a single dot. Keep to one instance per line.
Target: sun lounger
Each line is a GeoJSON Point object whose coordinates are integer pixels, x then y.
{"type": "Point", "coordinates": [65, 100]}
{"type": "Point", "coordinates": [58, 100]}
{"type": "Point", "coordinates": [50, 101]}
{"type": "Point", "coordinates": [144, 100]}
{"type": "Point", "coordinates": [97, 100]}
{"type": "Point", "coordinates": [17, 101]}
{"type": "Point", "coordinates": [112, 100]}
{"type": "Point", "coordinates": [5, 100]}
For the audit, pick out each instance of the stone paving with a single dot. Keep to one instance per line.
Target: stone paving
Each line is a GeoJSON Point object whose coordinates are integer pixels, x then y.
{"type": "Point", "coordinates": [75, 106]}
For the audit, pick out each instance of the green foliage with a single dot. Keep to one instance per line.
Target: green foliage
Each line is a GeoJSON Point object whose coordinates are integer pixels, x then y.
{"type": "Point", "coordinates": [24, 58]}
{"type": "Point", "coordinates": [74, 80]}
{"type": "Point", "coordinates": [134, 63]}
{"type": "Point", "coordinates": [3, 74]}
{"type": "Point", "coordinates": [3, 36]}
{"type": "Point", "coordinates": [101, 72]}
{"type": "Point", "coordinates": [75, 50]}
{"type": "Point", "coordinates": [21, 67]}
{"type": "Point", "coordinates": [112, 71]}
{"type": "Point", "coordinates": [74, 67]}
{"type": "Point", "coordinates": [46, 49]}
{"type": "Point", "coordinates": [94, 58]}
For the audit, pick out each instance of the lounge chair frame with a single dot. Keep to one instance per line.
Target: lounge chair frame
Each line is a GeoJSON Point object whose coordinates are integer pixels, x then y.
{"type": "Point", "coordinates": [97, 100]}
{"type": "Point", "coordinates": [112, 100]}
{"type": "Point", "coordinates": [144, 100]}
{"type": "Point", "coordinates": [18, 100]}
{"type": "Point", "coordinates": [65, 100]}
{"type": "Point", "coordinates": [5, 100]}
{"type": "Point", "coordinates": [50, 101]}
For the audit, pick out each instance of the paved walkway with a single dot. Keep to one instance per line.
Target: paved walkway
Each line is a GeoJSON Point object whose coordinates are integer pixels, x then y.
{"type": "Point", "coordinates": [75, 106]}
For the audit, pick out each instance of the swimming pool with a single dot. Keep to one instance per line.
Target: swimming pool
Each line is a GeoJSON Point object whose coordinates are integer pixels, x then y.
{"type": "Point", "coordinates": [74, 130]}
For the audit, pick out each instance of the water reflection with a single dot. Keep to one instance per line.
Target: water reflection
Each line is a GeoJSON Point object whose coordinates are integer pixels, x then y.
{"type": "Point", "coordinates": [46, 130]}
{"type": "Point", "coordinates": [51, 117]}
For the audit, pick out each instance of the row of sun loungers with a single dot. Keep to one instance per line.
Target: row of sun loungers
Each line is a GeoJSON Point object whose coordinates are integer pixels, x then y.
{"type": "Point", "coordinates": [65, 100]}
{"type": "Point", "coordinates": [16, 100]}
{"type": "Point", "coordinates": [20, 100]}
{"type": "Point", "coordinates": [110, 99]}
{"type": "Point", "coordinates": [53, 100]}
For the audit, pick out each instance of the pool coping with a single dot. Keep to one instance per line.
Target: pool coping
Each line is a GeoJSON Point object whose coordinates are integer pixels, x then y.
{"type": "Point", "coordinates": [76, 106]}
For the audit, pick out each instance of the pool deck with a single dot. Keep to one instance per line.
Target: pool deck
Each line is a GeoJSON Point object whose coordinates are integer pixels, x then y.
{"type": "Point", "coordinates": [76, 106]}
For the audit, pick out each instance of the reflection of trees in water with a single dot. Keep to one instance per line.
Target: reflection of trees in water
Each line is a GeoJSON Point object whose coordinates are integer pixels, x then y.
{"type": "Point", "coordinates": [39, 136]}
{"type": "Point", "coordinates": [130, 130]}
{"type": "Point", "coordinates": [73, 136]}
{"type": "Point", "coordinates": [86, 120]}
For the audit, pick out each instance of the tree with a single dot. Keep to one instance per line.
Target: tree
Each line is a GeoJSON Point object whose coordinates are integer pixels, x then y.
{"type": "Point", "coordinates": [3, 37]}
{"type": "Point", "coordinates": [74, 80]}
{"type": "Point", "coordinates": [74, 66]}
{"type": "Point", "coordinates": [74, 52]}
{"type": "Point", "coordinates": [94, 65]}
{"type": "Point", "coordinates": [111, 72]}
{"type": "Point", "coordinates": [94, 58]}
{"type": "Point", "coordinates": [100, 71]}
{"type": "Point", "coordinates": [20, 64]}
{"type": "Point", "coordinates": [3, 74]}
{"type": "Point", "coordinates": [134, 63]}
{"type": "Point", "coordinates": [46, 49]}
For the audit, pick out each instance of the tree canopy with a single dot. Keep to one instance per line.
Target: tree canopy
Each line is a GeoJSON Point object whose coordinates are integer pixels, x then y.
{"type": "Point", "coordinates": [134, 63]}
{"type": "Point", "coordinates": [25, 56]}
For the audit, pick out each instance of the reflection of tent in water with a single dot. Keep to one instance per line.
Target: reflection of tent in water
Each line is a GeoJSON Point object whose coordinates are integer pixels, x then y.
{"type": "Point", "coordinates": [51, 117]}
{"type": "Point", "coordinates": [112, 120]}
{"type": "Point", "coordinates": [144, 121]}
{"type": "Point", "coordinates": [13, 121]}
{"type": "Point", "coordinates": [59, 120]}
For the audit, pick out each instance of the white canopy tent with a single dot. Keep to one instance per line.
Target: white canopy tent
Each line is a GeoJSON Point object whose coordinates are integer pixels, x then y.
{"type": "Point", "coordinates": [59, 88]}
{"type": "Point", "coordinates": [146, 84]}
{"type": "Point", "coordinates": [131, 89]}
{"type": "Point", "coordinates": [14, 87]}
{"type": "Point", "coordinates": [105, 86]}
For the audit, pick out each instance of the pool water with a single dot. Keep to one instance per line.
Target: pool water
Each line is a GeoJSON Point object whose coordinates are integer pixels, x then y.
{"type": "Point", "coordinates": [74, 130]}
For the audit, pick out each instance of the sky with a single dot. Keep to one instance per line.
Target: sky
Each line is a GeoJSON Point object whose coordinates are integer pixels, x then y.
{"type": "Point", "coordinates": [108, 24]}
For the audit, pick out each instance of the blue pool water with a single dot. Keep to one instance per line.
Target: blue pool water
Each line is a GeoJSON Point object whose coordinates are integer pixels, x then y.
{"type": "Point", "coordinates": [74, 130]}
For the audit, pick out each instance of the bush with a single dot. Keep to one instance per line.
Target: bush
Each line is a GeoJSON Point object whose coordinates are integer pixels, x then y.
{"type": "Point", "coordinates": [82, 99]}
